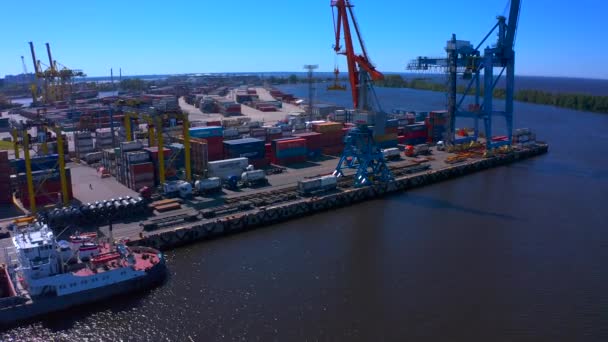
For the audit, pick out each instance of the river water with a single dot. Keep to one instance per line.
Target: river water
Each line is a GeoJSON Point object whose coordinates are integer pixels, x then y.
{"type": "Point", "coordinates": [516, 253]}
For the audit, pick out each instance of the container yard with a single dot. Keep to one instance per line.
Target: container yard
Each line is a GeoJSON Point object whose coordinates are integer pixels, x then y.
{"type": "Point", "coordinates": [242, 173]}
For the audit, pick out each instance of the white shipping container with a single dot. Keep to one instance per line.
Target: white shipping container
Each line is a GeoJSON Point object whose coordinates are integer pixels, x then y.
{"type": "Point", "coordinates": [231, 132]}
{"type": "Point", "coordinates": [85, 142]}
{"type": "Point", "coordinates": [329, 181]}
{"type": "Point", "coordinates": [137, 157]}
{"type": "Point", "coordinates": [227, 168]}
{"type": "Point", "coordinates": [308, 185]}
{"type": "Point", "coordinates": [130, 146]}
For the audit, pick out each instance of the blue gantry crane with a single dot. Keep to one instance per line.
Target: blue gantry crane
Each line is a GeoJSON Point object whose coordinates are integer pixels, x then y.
{"type": "Point", "coordinates": [463, 59]}
{"type": "Point", "coordinates": [361, 152]}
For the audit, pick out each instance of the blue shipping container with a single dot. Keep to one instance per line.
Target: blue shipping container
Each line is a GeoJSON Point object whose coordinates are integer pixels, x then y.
{"type": "Point", "coordinates": [248, 147]}
{"type": "Point", "coordinates": [38, 163]}
{"type": "Point", "coordinates": [206, 132]}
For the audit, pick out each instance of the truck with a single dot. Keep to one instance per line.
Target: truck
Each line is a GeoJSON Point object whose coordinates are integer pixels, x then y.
{"type": "Point", "coordinates": [208, 185]}
{"type": "Point", "coordinates": [440, 146]}
{"type": "Point", "coordinates": [225, 169]}
{"type": "Point", "coordinates": [317, 185]}
{"type": "Point", "coordinates": [391, 153]}
{"type": "Point", "coordinates": [253, 177]}
{"type": "Point", "coordinates": [416, 150]}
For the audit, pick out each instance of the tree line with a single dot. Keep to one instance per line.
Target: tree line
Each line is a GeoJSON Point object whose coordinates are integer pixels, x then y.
{"type": "Point", "coordinates": [589, 103]}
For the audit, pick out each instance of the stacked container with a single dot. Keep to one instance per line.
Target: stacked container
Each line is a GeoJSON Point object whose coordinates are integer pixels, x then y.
{"type": "Point", "coordinates": [250, 148]}
{"type": "Point", "coordinates": [108, 160]}
{"type": "Point", "coordinates": [436, 125]}
{"type": "Point", "coordinates": [121, 162]}
{"type": "Point", "coordinates": [103, 138]}
{"type": "Point", "coordinates": [332, 137]}
{"type": "Point", "coordinates": [139, 169]}
{"type": "Point", "coordinates": [214, 135]}
{"type": "Point", "coordinates": [314, 143]}
{"type": "Point", "coordinates": [198, 152]}
{"type": "Point", "coordinates": [83, 144]}
{"type": "Point", "coordinates": [5, 179]}
{"type": "Point", "coordinates": [414, 134]}
{"type": "Point", "coordinates": [288, 151]}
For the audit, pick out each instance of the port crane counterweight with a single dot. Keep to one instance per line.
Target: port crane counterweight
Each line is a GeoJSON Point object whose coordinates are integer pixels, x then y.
{"type": "Point", "coordinates": [360, 150]}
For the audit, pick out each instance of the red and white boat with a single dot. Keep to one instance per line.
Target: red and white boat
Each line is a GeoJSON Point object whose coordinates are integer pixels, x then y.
{"type": "Point", "coordinates": [50, 275]}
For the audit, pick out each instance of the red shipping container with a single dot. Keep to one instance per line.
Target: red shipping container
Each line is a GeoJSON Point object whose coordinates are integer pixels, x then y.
{"type": "Point", "coordinates": [313, 140]}
{"type": "Point", "coordinates": [214, 123]}
{"type": "Point", "coordinates": [215, 141]}
{"type": "Point", "coordinates": [142, 168]}
{"type": "Point", "coordinates": [332, 138]}
{"type": "Point", "coordinates": [283, 145]}
{"type": "Point", "coordinates": [268, 148]}
{"type": "Point", "coordinates": [154, 152]}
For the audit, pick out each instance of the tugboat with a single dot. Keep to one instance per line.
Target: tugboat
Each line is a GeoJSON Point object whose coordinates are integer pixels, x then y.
{"type": "Point", "coordinates": [50, 275]}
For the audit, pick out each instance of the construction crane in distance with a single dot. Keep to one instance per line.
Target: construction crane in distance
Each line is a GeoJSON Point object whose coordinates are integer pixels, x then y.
{"type": "Point", "coordinates": [360, 149]}
{"type": "Point", "coordinates": [463, 58]}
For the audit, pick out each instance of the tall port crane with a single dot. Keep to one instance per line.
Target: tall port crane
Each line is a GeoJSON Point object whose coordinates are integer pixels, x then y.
{"type": "Point", "coordinates": [32, 85]}
{"type": "Point", "coordinates": [360, 151]}
{"type": "Point", "coordinates": [463, 58]}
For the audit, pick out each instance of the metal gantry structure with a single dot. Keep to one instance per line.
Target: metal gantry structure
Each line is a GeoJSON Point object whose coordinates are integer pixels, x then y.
{"type": "Point", "coordinates": [463, 59]}
{"type": "Point", "coordinates": [360, 151]}
{"type": "Point", "coordinates": [57, 82]}
{"type": "Point", "coordinates": [21, 139]}
{"type": "Point", "coordinates": [155, 122]}
{"type": "Point", "coordinates": [311, 88]}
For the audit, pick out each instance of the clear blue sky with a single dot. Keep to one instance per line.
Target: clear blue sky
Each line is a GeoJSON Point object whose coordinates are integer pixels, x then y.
{"type": "Point", "coordinates": [555, 38]}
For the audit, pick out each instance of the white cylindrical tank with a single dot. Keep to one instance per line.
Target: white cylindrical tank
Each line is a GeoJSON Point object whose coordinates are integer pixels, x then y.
{"type": "Point", "coordinates": [253, 176]}
{"type": "Point", "coordinates": [208, 184]}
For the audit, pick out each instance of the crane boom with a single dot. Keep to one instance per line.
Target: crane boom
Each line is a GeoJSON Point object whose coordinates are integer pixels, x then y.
{"type": "Point", "coordinates": [342, 24]}
{"type": "Point", "coordinates": [512, 24]}
{"type": "Point", "coordinates": [36, 67]}
{"type": "Point", "coordinates": [48, 51]}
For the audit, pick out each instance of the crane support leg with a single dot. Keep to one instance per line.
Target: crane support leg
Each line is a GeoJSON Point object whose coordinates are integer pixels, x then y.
{"type": "Point", "coordinates": [161, 150]}
{"type": "Point", "coordinates": [188, 166]}
{"type": "Point", "coordinates": [16, 142]}
{"type": "Point", "coordinates": [62, 174]}
{"type": "Point", "coordinates": [28, 172]}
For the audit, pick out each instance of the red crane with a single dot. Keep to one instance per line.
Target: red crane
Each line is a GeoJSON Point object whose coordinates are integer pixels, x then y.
{"type": "Point", "coordinates": [341, 22]}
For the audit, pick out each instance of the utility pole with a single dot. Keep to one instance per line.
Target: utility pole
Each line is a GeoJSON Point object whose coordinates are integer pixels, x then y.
{"type": "Point", "coordinates": [310, 68]}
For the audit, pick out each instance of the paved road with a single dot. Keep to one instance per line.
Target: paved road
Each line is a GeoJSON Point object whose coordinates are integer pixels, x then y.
{"type": "Point", "coordinates": [87, 186]}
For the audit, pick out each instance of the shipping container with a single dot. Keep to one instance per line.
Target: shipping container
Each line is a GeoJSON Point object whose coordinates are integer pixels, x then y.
{"type": "Point", "coordinates": [327, 127]}
{"type": "Point", "coordinates": [227, 168]}
{"type": "Point", "coordinates": [127, 146]}
{"type": "Point", "coordinates": [207, 132]}
{"type": "Point", "coordinates": [313, 140]}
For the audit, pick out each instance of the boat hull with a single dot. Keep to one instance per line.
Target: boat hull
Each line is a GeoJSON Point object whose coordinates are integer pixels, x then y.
{"type": "Point", "coordinates": [44, 305]}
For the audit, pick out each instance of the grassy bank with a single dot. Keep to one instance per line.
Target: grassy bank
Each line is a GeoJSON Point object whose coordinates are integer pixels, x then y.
{"type": "Point", "coordinates": [589, 103]}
